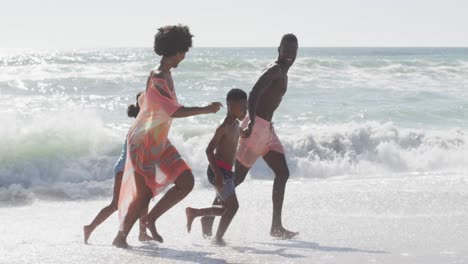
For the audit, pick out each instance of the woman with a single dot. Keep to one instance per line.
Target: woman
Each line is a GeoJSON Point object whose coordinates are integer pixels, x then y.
{"type": "Point", "coordinates": [148, 145]}
{"type": "Point", "coordinates": [132, 111]}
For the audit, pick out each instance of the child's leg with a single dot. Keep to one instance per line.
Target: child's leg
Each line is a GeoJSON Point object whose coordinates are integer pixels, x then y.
{"type": "Point", "coordinates": [182, 186]}
{"type": "Point", "coordinates": [144, 195]}
{"type": "Point", "coordinates": [207, 221]}
{"type": "Point", "coordinates": [210, 211]}
{"type": "Point", "coordinates": [232, 205]}
{"type": "Point", "coordinates": [106, 211]}
{"type": "Point", "coordinates": [240, 174]}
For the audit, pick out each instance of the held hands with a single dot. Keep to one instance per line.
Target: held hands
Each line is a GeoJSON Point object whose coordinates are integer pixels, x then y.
{"type": "Point", "coordinates": [213, 107]}
{"type": "Point", "coordinates": [248, 130]}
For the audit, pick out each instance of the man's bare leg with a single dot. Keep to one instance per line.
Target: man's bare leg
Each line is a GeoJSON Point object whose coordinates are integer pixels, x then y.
{"type": "Point", "coordinates": [240, 172]}
{"type": "Point", "coordinates": [182, 186]}
{"type": "Point", "coordinates": [192, 213]}
{"type": "Point", "coordinates": [106, 211]}
{"type": "Point", "coordinates": [277, 162]}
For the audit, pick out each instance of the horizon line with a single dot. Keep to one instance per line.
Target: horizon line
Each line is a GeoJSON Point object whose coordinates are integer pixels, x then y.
{"type": "Point", "coordinates": [234, 47]}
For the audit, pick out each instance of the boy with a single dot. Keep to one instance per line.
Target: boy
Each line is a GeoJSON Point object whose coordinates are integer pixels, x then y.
{"type": "Point", "coordinates": [221, 153]}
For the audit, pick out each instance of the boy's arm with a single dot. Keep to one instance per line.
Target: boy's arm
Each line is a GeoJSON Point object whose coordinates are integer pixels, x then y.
{"type": "Point", "coordinates": [259, 88]}
{"type": "Point", "coordinates": [192, 111]}
{"type": "Point", "coordinates": [214, 143]}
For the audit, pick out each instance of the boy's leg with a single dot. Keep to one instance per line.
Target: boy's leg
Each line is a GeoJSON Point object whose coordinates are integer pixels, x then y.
{"type": "Point", "coordinates": [240, 172]}
{"type": "Point", "coordinates": [232, 205]}
{"type": "Point", "coordinates": [182, 186]}
{"type": "Point", "coordinates": [192, 213]}
{"type": "Point", "coordinates": [207, 221]}
{"type": "Point", "coordinates": [277, 162]}
{"type": "Point", "coordinates": [106, 211]}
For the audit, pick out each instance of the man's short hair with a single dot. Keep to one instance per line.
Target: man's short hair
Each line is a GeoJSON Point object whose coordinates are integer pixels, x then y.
{"type": "Point", "coordinates": [291, 38]}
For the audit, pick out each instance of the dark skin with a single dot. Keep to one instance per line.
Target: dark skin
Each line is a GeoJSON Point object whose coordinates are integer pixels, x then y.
{"type": "Point", "coordinates": [110, 209]}
{"type": "Point", "coordinates": [264, 99]}
{"type": "Point", "coordinates": [184, 182]}
{"type": "Point", "coordinates": [223, 146]}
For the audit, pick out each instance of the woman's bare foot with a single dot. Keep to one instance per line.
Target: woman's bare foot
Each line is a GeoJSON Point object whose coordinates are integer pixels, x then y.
{"type": "Point", "coordinates": [120, 241]}
{"type": "Point", "coordinates": [190, 216]}
{"type": "Point", "coordinates": [151, 225]}
{"type": "Point", "coordinates": [87, 230]}
{"type": "Point", "coordinates": [283, 233]}
{"type": "Point", "coordinates": [143, 237]}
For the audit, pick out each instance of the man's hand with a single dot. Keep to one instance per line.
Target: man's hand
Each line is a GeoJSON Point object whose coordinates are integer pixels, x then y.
{"type": "Point", "coordinates": [247, 131]}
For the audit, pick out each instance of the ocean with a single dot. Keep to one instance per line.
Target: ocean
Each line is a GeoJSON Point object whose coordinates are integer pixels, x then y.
{"type": "Point", "coordinates": [348, 112]}
{"type": "Point", "coordinates": [375, 139]}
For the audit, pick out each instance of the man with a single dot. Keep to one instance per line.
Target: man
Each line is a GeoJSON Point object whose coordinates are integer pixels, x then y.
{"type": "Point", "coordinates": [258, 136]}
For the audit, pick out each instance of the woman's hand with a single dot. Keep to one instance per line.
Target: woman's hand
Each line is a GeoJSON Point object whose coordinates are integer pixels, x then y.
{"type": "Point", "coordinates": [213, 107]}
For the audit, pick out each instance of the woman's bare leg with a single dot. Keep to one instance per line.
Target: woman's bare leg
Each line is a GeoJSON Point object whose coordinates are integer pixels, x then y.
{"type": "Point", "coordinates": [182, 186]}
{"type": "Point", "coordinates": [143, 236]}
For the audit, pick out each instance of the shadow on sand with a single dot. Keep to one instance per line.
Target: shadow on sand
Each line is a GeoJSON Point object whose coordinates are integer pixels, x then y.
{"type": "Point", "coordinates": [275, 248]}
{"type": "Point", "coordinates": [181, 255]}
{"type": "Point", "coordinates": [297, 244]}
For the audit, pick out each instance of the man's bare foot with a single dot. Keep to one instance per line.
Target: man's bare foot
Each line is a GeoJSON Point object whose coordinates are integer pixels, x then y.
{"type": "Point", "coordinates": [120, 241]}
{"type": "Point", "coordinates": [87, 230]}
{"type": "Point", "coordinates": [151, 225]}
{"type": "Point", "coordinates": [143, 237]}
{"type": "Point", "coordinates": [282, 233]}
{"type": "Point", "coordinates": [207, 225]}
{"type": "Point", "coordinates": [190, 216]}
{"type": "Point", "coordinates": [218, 241]}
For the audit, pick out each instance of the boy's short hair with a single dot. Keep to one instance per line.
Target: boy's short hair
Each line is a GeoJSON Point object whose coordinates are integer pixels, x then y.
{"type": "Point", "coordinates": [291, 38]}
{"type": "Point", "coordinates": [236, 94]}
{"type": "Point", "coordinates": [172, 39]}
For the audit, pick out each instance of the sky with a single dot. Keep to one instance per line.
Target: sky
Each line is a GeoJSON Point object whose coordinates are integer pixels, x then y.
{"type": "Point", "coordinates": [240, 23]}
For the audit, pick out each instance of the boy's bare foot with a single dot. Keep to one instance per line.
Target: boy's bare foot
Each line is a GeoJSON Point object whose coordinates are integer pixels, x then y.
{"type": "Point", "coordinates": [206, 224]}
{"type": "Point", "coordinates": [151, 225]}
{"type": "Point", "coordinates": [190, 217]}
{"type": "Point", "coordinates": [282, 233]}
{"type": "Point", "coordinates": [218, 242]}
{"type": "Point", "coordinates": [87, 232]}
{"type": "Point", "coordinates": [143, 237]}
{"type": "Point", "coordinates": [120, 241]}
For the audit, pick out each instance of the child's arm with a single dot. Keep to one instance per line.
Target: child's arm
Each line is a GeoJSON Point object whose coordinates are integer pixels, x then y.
{"type": "Point", "coordinates": [211, 156]}
{"type": "Point", "coordinates": [192, 111]}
